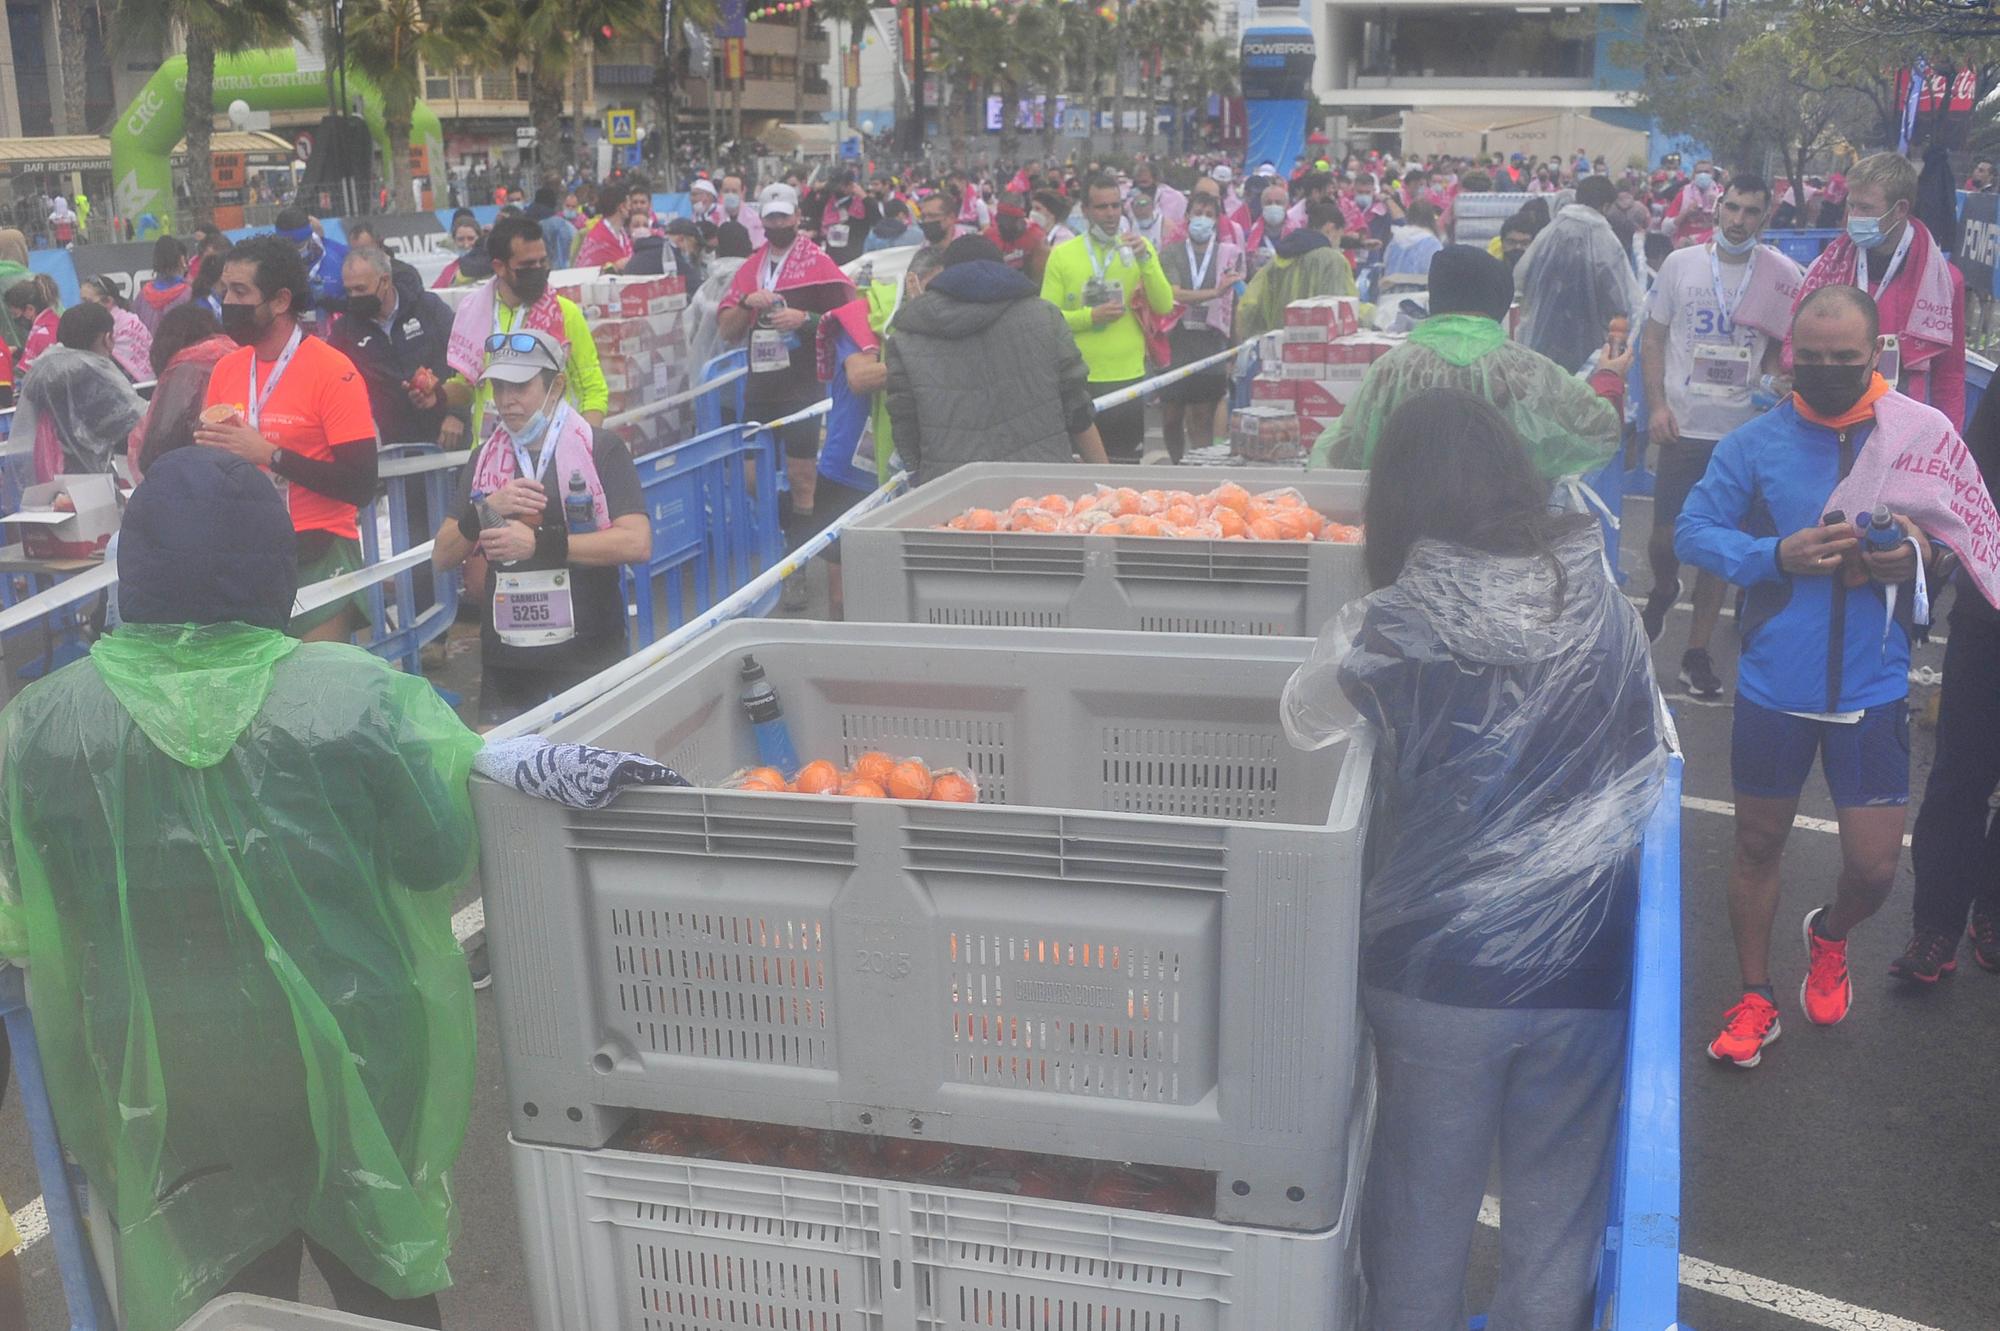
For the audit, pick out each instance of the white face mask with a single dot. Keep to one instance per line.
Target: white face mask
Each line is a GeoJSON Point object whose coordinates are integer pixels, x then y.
{"type": "Point", "coordinates": [731, 202]}
{"type": "Point", "coordinates": [1274, 213]}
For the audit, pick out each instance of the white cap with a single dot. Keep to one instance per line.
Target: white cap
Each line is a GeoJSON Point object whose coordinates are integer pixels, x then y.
{"type": "Point", "coordinates": [702, 184]}
{"type": "Point", "coordinates": [779, 201]}
{"type": "Point", "coordinates": [1221, 174]}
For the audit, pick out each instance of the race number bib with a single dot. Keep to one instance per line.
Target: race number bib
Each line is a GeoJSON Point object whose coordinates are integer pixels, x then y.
{"type": "Point", "coordinates": [767, 351]}
{"type": "Point", "coordinates": [836, 236]}
{"type": "Point", "coordinates": [1721, 369]}
{"type": "Point", "coordinates": [533, 609]}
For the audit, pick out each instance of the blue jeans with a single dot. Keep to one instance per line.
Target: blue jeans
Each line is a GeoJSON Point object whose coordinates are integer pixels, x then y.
{"type": "Point", "coordinates": [1540, 1083]}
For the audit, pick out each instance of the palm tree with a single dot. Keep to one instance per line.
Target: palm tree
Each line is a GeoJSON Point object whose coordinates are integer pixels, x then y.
{"type": "Point", "coordinates": [385, 40]}
{"type": "Point", "coordinates": [70, 62]}
{"type": "Point", "coordinates": [211, 26]}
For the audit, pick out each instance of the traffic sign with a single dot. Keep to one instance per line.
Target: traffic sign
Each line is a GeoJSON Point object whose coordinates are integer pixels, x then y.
{"type": "Point", "coordinates": [621, 127]}
{"type": "Point", "coordinates": [524, 135]}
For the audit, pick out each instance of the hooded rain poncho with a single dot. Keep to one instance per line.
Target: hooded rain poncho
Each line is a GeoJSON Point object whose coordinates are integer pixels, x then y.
{"type": "Point", "coordinates": [229, 860]}
{"type": "Point", "coordinates": [1300, 271]}
{"type": "Point", "coordinates": [1519, 756]}
{"type": "Point", "coordinates": [1565, 426]}
{"type": "Point", "coordinates": [86, 399]}
{"type": "Point", "coordinates": [1574, 279]}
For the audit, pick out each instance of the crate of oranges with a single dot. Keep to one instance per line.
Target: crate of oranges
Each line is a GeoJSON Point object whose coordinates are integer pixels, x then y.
{"type": "Point", "coordinates": [1063, 892]}
{"type": "Point", "coordinates": [1271, 551]}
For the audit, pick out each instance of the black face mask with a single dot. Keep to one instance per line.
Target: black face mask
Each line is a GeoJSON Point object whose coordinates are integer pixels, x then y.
{"type": "Point", "coordinates": [365, 307]}
{"type": "Point", "coordinates": [242, 324]}
{"type": "Point", "coordinates": [1831, 389]}
{"type": "Point", "coordinates": [1012, 227]}
{"type": "Point", "coordinates": [781, 237]}
{"type": "Point", "coordinates": [933, 231]}
{"type": "Point", "coordinates": [530, 283]}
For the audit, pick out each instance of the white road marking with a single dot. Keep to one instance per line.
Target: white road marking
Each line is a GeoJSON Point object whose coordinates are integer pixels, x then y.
{"type": "Point", "coordinates": [1801, 1305]}
{"type": "Point", "coordinates": [1802, 822]}
{"type": "Point", "coordinates": [32, 1220]}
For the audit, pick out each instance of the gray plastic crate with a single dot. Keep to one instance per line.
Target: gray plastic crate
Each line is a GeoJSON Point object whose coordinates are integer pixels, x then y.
{"type": "Point", "coordinates": [1141, 947]}
{"type": "Point", "coordinates": [243, 1312]}
{"type": "Point", "coordinates": [900, 569]}
{"type": "Point", "coordinates": [617, 1241]}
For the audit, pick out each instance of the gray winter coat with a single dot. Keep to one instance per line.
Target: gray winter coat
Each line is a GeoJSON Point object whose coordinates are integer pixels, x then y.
{"type": "Point", "coordinates": [982, 369]}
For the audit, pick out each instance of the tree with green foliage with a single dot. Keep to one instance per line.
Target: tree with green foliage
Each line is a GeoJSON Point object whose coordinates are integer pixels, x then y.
{"type": "Point", "coordinates": [211, 26]}
{"type": "Point", "coordinates": [385, 41]}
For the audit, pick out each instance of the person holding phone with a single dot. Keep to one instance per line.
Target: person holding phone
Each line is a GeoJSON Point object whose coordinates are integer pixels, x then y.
{"type": "Point", "coordinates": [1100, 280]}
{"type": "Point", "coordinates": [1824, 673]}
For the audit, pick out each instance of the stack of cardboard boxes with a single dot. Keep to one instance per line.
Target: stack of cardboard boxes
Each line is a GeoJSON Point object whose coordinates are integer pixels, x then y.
{"type": "Point", "coordinates": [640, 346]}
{"type": "Point", "coordinates": [1313, 366]}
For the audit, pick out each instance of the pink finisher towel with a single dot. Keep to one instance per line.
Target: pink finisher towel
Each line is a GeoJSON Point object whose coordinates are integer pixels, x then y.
{"type": "Point", "coordinates": [1918, 311]}
{"type": "Point", "coordinates": [1915, 463]}
{"type": "Point", "coordinates": [1767, 305]}
{"type": "Point", "coordinates": [465, 349]}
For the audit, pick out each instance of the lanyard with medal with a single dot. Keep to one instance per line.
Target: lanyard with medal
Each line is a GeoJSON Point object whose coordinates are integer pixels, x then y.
{"type": "Point", "coordinates": [253, 400]}
{"type": "Point", "coordinates": [1100, 291]}
{"type": "Point", "coordinates": [534, 608]}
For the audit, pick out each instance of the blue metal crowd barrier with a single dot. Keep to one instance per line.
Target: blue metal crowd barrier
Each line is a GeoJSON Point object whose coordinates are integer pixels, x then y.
{"type": "Point", "coordinates": [714, 410]}
{"type": "Point", "coordinates": [1804, 245]}
{"type": "Point", "coordinates": [401, 637]}
{"type": "Point", "coordinates": [713, 504]}
{"type": "Point", "coordinates": [1639, 1281]}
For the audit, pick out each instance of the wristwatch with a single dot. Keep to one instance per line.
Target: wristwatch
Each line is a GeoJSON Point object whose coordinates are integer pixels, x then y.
{"type": "Point", "coordinates": [277, 456]}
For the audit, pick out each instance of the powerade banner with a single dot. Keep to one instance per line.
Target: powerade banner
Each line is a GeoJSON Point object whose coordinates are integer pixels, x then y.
{"type": "Point", "coordinates": [1978, 241]}
{"type": "Point", "coordinates": [1277, 79]}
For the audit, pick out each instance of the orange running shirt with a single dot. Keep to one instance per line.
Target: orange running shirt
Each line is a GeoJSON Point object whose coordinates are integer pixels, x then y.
{"type": "Point", "coordinates": [320, 402]}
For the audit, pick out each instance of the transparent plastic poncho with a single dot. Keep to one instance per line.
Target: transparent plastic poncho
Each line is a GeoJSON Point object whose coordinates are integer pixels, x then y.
{"type": "Point", "coordinates": [1567, 428]}
{"type": "Point", "coordinates": [1519, 756]}
{"type": "Point", "coordinates": [1573, 281]}
{"type": "Point", "coordinates": [229, 861]}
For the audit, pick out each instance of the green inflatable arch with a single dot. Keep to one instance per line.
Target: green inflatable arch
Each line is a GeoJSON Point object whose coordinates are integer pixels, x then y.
{"type": "Point", "coordinates": [142, 142]}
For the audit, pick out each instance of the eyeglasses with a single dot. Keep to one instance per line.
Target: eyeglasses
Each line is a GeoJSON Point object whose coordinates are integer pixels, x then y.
{"type": "Point", "coordinates": [523, 342]}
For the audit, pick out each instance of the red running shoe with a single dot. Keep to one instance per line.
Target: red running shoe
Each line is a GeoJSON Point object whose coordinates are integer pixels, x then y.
{"type": "Point", "coordinates": [1746, 1029]}
{"type": "Point", "coordinates": [1826, 994]}
{"type": "Point", "coordinates": [1985, 934]}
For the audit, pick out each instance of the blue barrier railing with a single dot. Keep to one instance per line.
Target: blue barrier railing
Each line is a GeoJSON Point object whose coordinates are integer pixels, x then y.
{"type": "Point", "coordinates": [712, 411]}
{"type": "Point", "coordinates": [1639, 1281]}
{"type": "Point", "coordinates": [1804, 245]}
{"type": "Point", "coordinates": [402, 636]}
{"type": "Point", "coordinates": [713, 505]}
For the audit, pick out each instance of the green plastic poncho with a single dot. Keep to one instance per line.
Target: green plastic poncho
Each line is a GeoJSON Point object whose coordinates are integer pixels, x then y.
{"type": "Point", "coordinates": [1567, 428]}
{"type": "Point", "coordinates": [228, 864]}
{"type": "Point", "coordinates": [1318, 272]}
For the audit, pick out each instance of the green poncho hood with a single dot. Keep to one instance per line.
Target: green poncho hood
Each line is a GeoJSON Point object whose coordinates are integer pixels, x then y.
{"type": "Point", "coordinates": [228, 861]}
{"type": "Point", "coordinates": [1318, 272]}
{"type": "Point", "coordinates": [193, 688]}
{"type": "Point", "coordinates": [1565, 426]}
{"type": "Point", "coordinates": [1459, 338]}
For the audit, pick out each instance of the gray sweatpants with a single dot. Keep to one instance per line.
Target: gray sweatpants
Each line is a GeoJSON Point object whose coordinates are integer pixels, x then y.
{"type": "Point", "coordinates": [1544, 1084]}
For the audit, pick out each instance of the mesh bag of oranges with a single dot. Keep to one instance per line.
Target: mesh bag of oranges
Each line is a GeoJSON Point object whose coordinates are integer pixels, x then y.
{"type": "Point", "coordinates": [875, 776]}
{"type": "Point", "coordinates": [1227, 513]}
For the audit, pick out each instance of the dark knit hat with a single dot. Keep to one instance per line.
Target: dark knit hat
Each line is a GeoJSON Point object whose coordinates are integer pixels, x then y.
{"type": "Point", "coordinates": [206, 540]}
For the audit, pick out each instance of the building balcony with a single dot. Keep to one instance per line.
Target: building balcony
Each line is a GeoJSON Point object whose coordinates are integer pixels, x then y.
{"type": "Point", "coordinates": [760, 97]}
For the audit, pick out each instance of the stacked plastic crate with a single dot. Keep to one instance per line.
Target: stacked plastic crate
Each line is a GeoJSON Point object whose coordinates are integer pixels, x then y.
{"type": "Point", "coordinates": [1084, 1054]}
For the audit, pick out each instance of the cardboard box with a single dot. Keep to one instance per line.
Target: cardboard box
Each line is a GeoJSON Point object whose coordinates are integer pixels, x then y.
{"type": "Point", "coordinates": [1283, 391]}
{"type": "Point", "coordinates": [1322, 318]}
{"type": "Point", "coordinates": [1318, 398]}
{"type": "Point", "coordinates": [1267, 432]}
{"type": "Point", "coordinates": [70, 517]}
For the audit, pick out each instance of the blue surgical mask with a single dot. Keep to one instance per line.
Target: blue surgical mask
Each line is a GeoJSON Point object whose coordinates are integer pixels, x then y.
{"type": "Point", "coordinates": [535, 426]}
{"type": "Point", "coordinates": [1866, 232]}
{"type": "Point", "coordinates": [1274, 213]}
{"type": "Point", "coordinates": [1364, 201]}
{"type": "Point", "coordinates": [1734, 251]}
{"type": "Point", "coordinates": [1704, 181]}
{"type": "Point", "coordinates": [1201, 230]}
